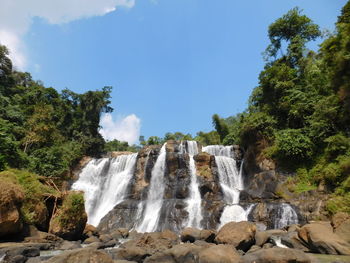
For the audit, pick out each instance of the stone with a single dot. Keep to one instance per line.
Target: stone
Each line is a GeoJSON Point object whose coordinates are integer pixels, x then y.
{"type": "Point", "coordinates": [11, 197]}
{"type": "Point", "coordinates": [341, 225]}
{"type": "Point", "coordinates": [84, 255]}
{"type": "Point", "coordinates": [320, 238]}
{"type": "Point", "coordinates": [241, 235]}
{"type": "Point", "coordinates": [186, 253]}
{"type": "Point", "coordinates": [132, 253]}
{"type": "Point", "coordinates": [276, 255]}
{"type": "Point", "coordinates": [261, 237]}
{"type": "Point", "coordinates": [90, 230]}
{"type": "Point", "coordinates": [254, 248]}
{"type": "Point", "coordinates": [207, 235]}
{"type": "Point", "coordinates": [190, 234]}
{"type": "Point", "coordinates": [91, 239]}
{"type": "Point", "coordinates": [68, 245]}
{"type": "Point", "coordinates": [219, 253]}
{"type": "Point", "coordinates": [105, 238]}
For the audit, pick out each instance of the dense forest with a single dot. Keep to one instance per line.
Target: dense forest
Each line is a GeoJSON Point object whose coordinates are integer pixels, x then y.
{"type": "Point", "coordinates": [298, 115]}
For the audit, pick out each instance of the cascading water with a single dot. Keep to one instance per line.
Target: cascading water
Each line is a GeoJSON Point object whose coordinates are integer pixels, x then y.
{"type": "Point", "coordinates": [235, 213]}
{"type": "Point", "coordinates": [231, 183]}
{"type": "Point", "coordinates": [105, 182]}
{"type": "Point", "coordinates": [155, 195]}
{"type": "Point", "coordinates": [219, 150]}
{"type": "Point", "coordinates": [286, 215]}
{"type": "Point", "coordinates": [194, 201]}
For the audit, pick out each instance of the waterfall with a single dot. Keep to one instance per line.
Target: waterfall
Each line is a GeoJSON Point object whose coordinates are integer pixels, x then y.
{"type": "Point", "coordinates": [286, 216]}
{"type": "Point", "coordinates": [105, 182]}
{"type": "Point", "coordinates": [155, 195]}
{"type": "Point", "coordinates": [194, 201]}
{"type": "Point", "coordinates": [219, 150]}
{"type": "Point", "coordinates": [235, 213]}
{"type": "Point", "coordinates": [231, 183]}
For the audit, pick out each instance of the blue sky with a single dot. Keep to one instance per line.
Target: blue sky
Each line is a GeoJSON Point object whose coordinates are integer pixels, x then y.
{"type": "Point", "coordinates": [172, 63]}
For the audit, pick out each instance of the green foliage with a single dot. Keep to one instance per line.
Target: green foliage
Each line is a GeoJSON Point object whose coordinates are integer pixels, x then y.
{"type": "Point", "coordinates": [208, 138]}
{"type": "Point", "coordinates": [119, 146]}
{"type": "Point", "coordinates": [44, 130]}
{"type": "Point", "coordinates": [34, 192]}
{"type": "Point", "coordinates": [72, 209]}
{"type": "Point", "coordinates": [299, 115]}
{"type": "Point", "coordinates": [293, 144]}
{"type": "Point", "coordinates": [220, 126]}
{"type": "Point", "coordinates": [339, 203]}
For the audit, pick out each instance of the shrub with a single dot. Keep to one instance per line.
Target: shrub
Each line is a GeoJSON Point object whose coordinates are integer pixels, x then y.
{"type": "Point", "coordinates": [293, 145]}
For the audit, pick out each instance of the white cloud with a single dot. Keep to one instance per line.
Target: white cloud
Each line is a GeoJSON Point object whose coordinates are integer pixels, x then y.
{"type": "Point", "coordinates": [126, 129]}
{"type": "Point", "coordinates": [16, 17]}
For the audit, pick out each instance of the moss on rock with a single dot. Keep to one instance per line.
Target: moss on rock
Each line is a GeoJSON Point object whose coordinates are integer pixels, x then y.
{"type": "Point", "coordinates": [70, 219]}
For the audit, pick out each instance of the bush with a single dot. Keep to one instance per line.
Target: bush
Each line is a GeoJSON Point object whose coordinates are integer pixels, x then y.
{"type": "Point", "coordinates": [336, 145]}
{"type": "Point", "coordinates": [339, 204]}
{"type": "Point", "coordinates": [293, 145]}
{"type": "Point", "coordinates": [255, 126]}
{"type": "Point", "coordinates": [34, 193]}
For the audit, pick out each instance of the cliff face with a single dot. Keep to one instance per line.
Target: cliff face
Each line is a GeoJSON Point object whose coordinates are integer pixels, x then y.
{"type": "Point", "coordinates": [267, 185]}
{"type": "Point", "coordinates": [177, 179]}
{"type": "Point", "coordinates": [205, 196]}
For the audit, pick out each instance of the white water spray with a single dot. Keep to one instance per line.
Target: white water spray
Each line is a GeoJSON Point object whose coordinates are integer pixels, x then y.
{"type": "Point", "coordinates": [105, 182]}
{"type": "Point", "coordinates": [155, 195]}
{"type": "Point", "coordinates": [286, 216]}
{"type": "Point", "coordinates": [194, 201]}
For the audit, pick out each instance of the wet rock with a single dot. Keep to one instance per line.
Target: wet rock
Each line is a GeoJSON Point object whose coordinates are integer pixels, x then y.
{"type": "Point", "coordinates": [11, 197]}
{"type": "Point", "coordinates": [84, 255]}
{"type": "Point", "coordinates": [319, 238]}
{"type": "Point", "coordinates": [219, 253]}
{"type": "Point", "coordinates": [262, 237]}
{"type": "Point", "coordinates": [241, 235]}
{"type": "Point", "coordinates": [19, 253]}
{"type": "Point", "coordinates": [280, 255]}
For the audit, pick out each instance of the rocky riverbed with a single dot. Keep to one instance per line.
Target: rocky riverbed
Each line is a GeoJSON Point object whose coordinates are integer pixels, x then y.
{"type": "Point", "coordinates": [234, 242]}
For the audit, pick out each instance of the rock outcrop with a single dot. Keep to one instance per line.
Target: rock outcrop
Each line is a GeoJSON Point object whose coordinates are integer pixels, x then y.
{"type": "Point", "coordinates": [320, 238]}
{"type": "Point", "coordinates": [69, 220]}
{"type": "Point", "coordinates": [11, 197]}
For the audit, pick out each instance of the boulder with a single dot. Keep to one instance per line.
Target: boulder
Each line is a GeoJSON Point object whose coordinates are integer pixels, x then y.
{"type": "Point", "coordinates": [90, 230]}
{"type": "Point", "coordinates": [18, 253]}
{"type": "Point", "coordinates": [147, 244]}
{"type": "Point", "coordinates": [190, 234]}
{"type": "Point", "coordinates": [186, 253]}
{"type": "Point", "coordinates": [84, 255]}
{"type": "Point", "coordinates": [219, 253]}
{"type": "Point", "coordinates": [208, 235]}
{"type": "Point", "coordinates": [276, 255]}
{"type": "Point", "coordinates": [131, 253]}
{"type": "Point", "coordinates": [241, 235]}
{"type": "Point", "coordinates": [341, 225]}
{"type": "Point", "coordinates": [11, 197]}
{"type": "Point", "coordinates": [261, 237]}
{"type": "Point", "coordinates": [70, 219]}
{"type": "Point", "coordinates": [319, 238]}
{"type": "Point", "coordinates": [69, 245]}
